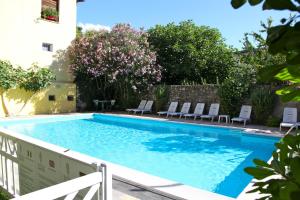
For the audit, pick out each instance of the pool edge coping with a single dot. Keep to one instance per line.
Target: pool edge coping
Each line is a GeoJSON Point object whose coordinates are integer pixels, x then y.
{"type": "Point", "coordinates": [153, 183]}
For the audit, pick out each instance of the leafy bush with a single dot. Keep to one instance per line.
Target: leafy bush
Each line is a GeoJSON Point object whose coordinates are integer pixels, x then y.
{"type": "Point", "coordinates": [236, 88]}
{"type": "Point", "coordinates": [190, 53]}
{"type": "Point", "coordinates": [273, 121]}
{"type": "Point", "coordinates": [161, 96]}
{"type": "Point", "coordinates": [279, 180]}
{"type": "Point", "coordinates": [262, 100]}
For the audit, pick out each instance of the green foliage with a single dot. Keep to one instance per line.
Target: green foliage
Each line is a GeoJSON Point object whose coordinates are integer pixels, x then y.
{"type": "Point", "coordinates": [283, 39]}
{"type": "Point", "coordinates": [4, 195]}
{"type": "Point", "coordinates": [36, 78]}
{"type": "Point", "coordinates": [256, 51]}
{"type": "Point", "coordinates": [49, 12]}
{"type": "Point", "coordinates": [79, 31]}
{"type": "Point", "coordinates": [262, 100]}
{"type": "Point", "coordinates": [190, 53]}
{"type": "Point", "coordinates": [161, 96]}
{"type": "Point", "coordinates": [236, 88]}
{"type": "Point", "coordinates": [8, 75]}
{"type": "Point", "coordinates": [279, 180]}
{"type": "Point", "coordinates": [273, 121]}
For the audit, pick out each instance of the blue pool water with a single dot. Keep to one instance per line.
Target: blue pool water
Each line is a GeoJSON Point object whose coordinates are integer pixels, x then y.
{"type": "Point", "coordinates": [209, 158]}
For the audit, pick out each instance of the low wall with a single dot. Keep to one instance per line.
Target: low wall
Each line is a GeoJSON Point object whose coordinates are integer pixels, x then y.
{"type": "Point", "coordinates": [209, 94]}
{"type": "Point", "coordinates": [19, 102]}
{"type": "Point", "coordinates": [194, 93]}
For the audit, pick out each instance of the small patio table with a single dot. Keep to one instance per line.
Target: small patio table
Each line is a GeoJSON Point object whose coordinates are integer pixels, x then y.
{"type": "Point", "coordinates": [226, 117]}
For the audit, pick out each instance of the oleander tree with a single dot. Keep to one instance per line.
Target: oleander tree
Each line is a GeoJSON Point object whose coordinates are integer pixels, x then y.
{"type": "Point", "coordinates": [114, 64]}
{"type": "Point", "coordinates": [280, 179]}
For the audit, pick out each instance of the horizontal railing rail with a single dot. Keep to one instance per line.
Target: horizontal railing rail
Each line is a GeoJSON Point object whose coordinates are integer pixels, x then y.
{"type": "Point", "coordinates": [68, 189]}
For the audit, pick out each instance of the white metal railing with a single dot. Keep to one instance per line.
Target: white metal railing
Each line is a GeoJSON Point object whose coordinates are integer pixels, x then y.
{"type": "Point", "coordinates": [68, 189]}
{"type": "Point", "coordinates": [28, 165]}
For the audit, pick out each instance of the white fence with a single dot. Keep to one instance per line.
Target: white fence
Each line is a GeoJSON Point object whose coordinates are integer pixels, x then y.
{"type": "Point", "coordinates": [39, 170]}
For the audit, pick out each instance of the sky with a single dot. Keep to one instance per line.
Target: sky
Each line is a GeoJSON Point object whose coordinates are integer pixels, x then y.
{"type": "Point", "coordinates": [147, 13]}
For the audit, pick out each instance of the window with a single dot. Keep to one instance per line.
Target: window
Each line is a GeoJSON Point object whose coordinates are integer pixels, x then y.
{"type": "Point", "coordinates": [51, 97]}
{"type": "Point", "coordinates": [47, 47]}
{"type": "Point", "coordinates": [70, 98]}
{"type": "Point", "coordinates": [50, 10]}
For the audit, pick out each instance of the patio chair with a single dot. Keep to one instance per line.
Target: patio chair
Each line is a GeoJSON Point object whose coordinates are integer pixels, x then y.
{"type": "Point", "coordinates": [213, 112]}
{"type": "Point", "coordinates": [146, 109]}
{"type": "Point", "coordinates": [244, 116]}
{"type": "Point", "coordinates": [111, 104]}
{"type": "Point", "coordinates": [184, 110]}
{"type": "Point", "coordinates": [141, 106]}
{"type": "Point", "coordinates": [172, 108]}
{"type": "Point", "coordinates": [197, 112]}
{"type": "Point", "coordinates": [289, 118]}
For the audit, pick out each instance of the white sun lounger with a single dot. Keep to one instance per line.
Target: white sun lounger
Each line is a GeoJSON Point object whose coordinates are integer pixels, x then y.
{"type": "Point", "coordinates": [289, 118]}
{"type": "Point", "coordinates": [244, 116]}
{"type": "Point", "coordinates": [197, 112]}
{"type": "Point", "coordinates": [141, 106]}
{"type": "Point", "coordinates": [146, 109]}
{"type": "Point", "coordinates": [213, 112]}
{"type": "Point", "coordinates": [184, 110]}
{"type": "Point", "coordinates": [172, 108]}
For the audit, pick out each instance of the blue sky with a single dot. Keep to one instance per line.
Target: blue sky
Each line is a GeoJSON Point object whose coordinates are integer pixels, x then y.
{"type": "Point", "coordinates": [147, 13]}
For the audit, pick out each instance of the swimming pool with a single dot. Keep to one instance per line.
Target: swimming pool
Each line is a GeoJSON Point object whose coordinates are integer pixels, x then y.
{"type": "Point", "coordinates": [205, 157]}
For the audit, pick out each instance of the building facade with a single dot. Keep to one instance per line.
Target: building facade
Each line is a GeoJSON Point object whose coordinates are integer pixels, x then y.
{"type": "Point", "coordinates": [36, 31]}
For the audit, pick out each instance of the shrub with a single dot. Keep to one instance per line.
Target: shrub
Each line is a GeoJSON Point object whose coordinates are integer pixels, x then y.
{"type": "Point", "coordinates": [236, 87]}
{"type": "Point", "coordinates": [273, 121]}
{"type": "Point", "coordinates": [262, 100]}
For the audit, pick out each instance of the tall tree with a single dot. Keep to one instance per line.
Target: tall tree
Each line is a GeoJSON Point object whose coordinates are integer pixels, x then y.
{"type": "Point", "coordinates": [255, 50]}
{"type": "Point", "coordinates": [190, 53]}
{"type": "Point", "coordinates": [282, 39]}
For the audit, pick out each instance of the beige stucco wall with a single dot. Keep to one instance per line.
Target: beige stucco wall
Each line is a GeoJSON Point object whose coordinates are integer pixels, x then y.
{"type": "Point", "coordinates": [17, 102]}
{"type": "Point", "coordinates": [22, 33]}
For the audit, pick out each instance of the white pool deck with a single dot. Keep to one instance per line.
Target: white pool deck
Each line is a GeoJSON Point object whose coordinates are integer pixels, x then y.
{"type": "Point", "coordinates": [166, 188]}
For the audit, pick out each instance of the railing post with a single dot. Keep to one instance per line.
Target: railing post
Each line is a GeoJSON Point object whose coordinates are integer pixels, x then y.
{"type": "Point", "coordinates": [106, 185]}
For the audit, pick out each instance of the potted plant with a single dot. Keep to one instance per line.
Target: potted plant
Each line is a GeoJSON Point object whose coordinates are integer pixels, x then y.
{"type": "Point", "coordinates": [50, 14]}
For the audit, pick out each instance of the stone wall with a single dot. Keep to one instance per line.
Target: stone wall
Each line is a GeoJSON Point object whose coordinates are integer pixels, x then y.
{"type": "Point", "coordinates": [194, 93]}
{"type": "Point", "coordinates": [209, 94]}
